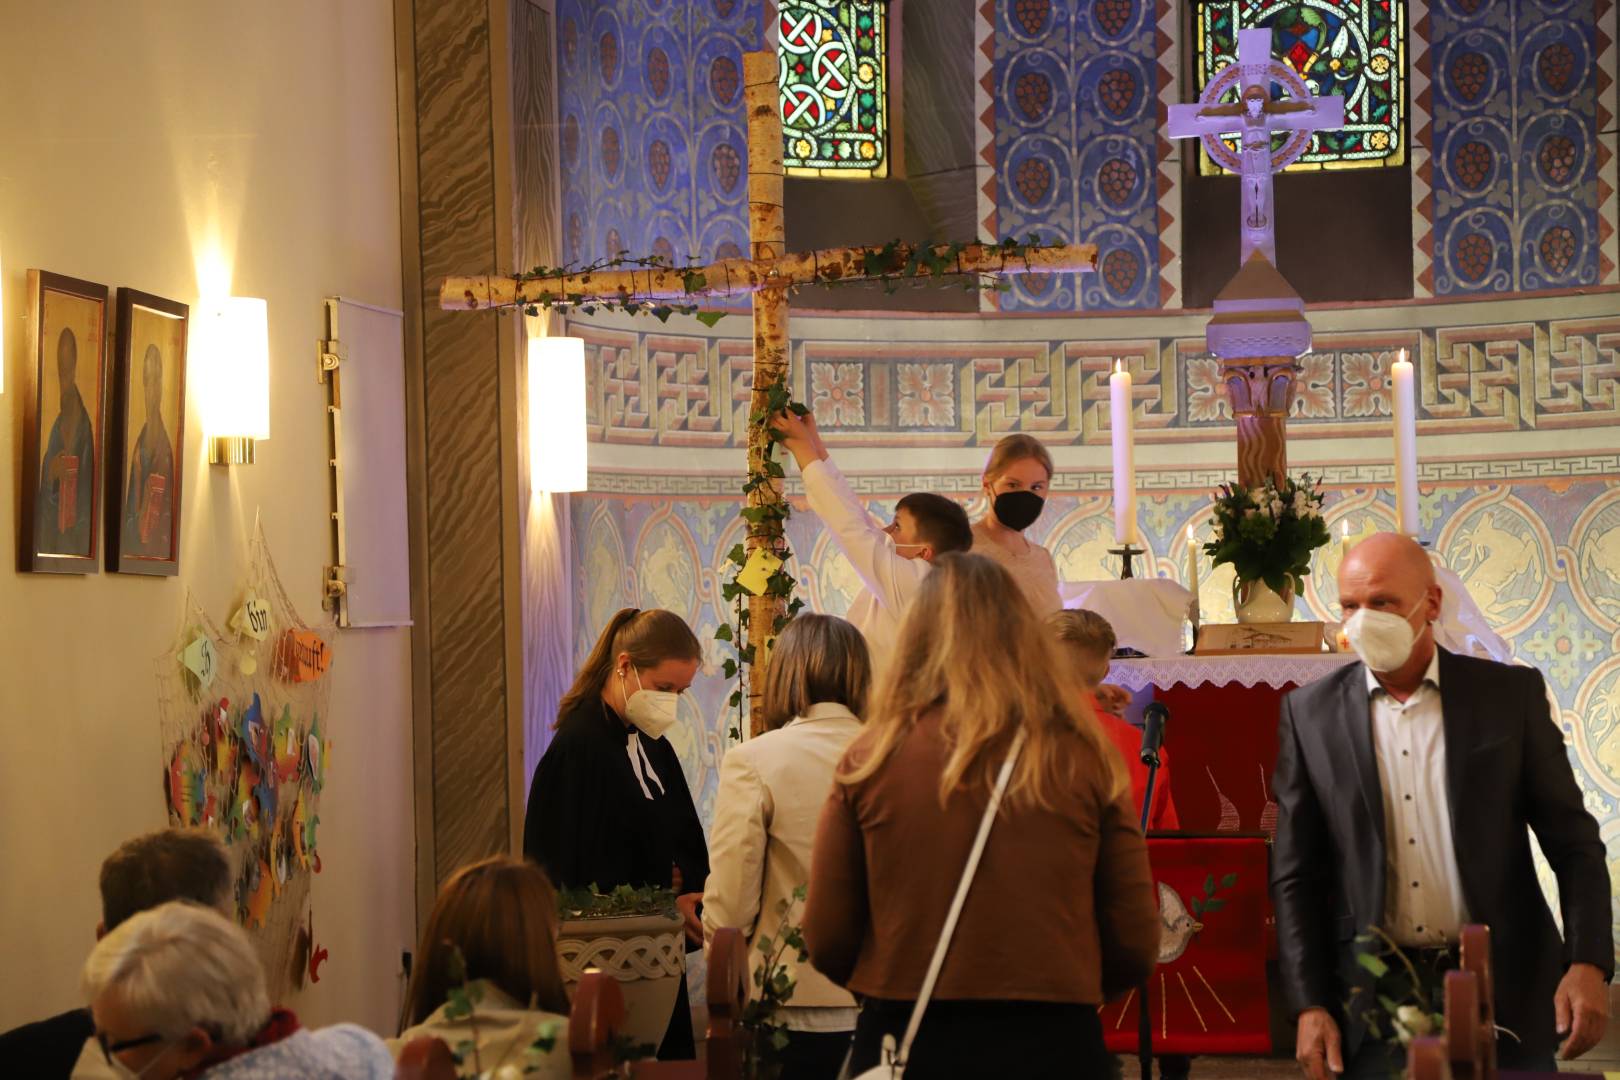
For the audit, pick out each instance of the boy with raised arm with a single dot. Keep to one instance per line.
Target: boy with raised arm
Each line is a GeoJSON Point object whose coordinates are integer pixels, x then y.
{"type": "Point", "coordinates": [891, 560]}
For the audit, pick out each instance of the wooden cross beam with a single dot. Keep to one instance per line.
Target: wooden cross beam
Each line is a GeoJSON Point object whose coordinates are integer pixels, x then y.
{"type": "Point", "coordinates": [767, 275]}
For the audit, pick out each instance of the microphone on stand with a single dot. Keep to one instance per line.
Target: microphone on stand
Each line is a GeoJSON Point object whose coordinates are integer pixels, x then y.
{"type": "Point", "coordinates": [1154, 717]}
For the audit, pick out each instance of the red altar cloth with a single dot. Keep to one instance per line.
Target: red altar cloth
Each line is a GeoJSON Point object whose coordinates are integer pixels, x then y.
{"type": "Point", "coordinates": [1209, 993]}
{"type": "Point", "coordinates": [1224, 742]}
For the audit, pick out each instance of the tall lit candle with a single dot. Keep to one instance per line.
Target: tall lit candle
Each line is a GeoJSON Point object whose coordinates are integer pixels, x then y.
{"type": "Point", "coordinates": [1119, 389]}
{"type": "Point", "coordinates": [1192, 562]}
{"type": "Point", "coordinates": [1344, 538]}
{"type": "Point", "coordinates": [1405, 408]}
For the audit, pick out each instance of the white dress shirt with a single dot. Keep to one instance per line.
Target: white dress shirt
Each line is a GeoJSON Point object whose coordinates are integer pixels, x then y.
{"type": "Point", "coordinates": [1423, 892]}
{"type": "Point", "coordinates": [891, 580]}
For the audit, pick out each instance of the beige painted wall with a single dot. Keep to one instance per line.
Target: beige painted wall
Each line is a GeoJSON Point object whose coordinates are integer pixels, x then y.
{"type": "Point", "coordinates": [132, 138]}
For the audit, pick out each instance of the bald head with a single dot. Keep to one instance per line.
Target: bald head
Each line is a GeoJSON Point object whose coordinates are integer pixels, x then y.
{"type": "Point", "coordinates": [1389, 555]}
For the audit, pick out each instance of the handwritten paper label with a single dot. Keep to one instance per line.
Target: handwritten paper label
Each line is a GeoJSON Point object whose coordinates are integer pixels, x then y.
{"type": "Point", "coordinates": [198, 659]}
{"type": "Point", "coordinates": [758, 570]}
{"type": "Point", "coordinates": [303, 656]}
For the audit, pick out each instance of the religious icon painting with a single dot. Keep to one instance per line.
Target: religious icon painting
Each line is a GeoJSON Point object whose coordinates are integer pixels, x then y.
{"type": "Point", "coordinates": [63, 417]}
{"type": "Point", "coordinates": [146, 435]}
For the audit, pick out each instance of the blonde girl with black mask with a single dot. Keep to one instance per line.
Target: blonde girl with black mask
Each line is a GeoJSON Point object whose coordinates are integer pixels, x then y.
{"type": "Point", "coordinates": [609, 804]}
{"type": "Point", "coordinates": [1016, 481]}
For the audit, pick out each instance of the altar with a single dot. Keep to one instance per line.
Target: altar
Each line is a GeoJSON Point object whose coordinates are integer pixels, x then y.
{"type": "Point", "coordinates": [1221, 739]}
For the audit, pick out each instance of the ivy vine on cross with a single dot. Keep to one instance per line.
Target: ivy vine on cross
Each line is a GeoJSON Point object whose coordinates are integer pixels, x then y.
{"type": "Point", "coordinates": [654, 286]}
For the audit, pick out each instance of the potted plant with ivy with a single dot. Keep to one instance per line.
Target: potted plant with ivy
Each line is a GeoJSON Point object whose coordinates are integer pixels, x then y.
{"type": "Point", "coordinates": [1268, 533]}
{"type": "Point", "coordinates": [635, 935]}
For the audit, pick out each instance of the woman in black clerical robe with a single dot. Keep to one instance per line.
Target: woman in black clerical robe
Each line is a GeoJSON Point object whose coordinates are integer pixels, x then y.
{"type": "Point", "coordinates": [609, 804]}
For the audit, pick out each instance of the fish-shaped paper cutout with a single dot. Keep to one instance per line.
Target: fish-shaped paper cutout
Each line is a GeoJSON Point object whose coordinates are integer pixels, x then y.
{"type": "Point", "coordinates": [302, 834]}
{"type": "Point", "coordinates": [198, 658]}
{"type": "Point", "coordinates": [255, 734]}
{"type": "Point", "coordinates": [252, 619]}
{"type": "Point", "coordinates": [288, 749]}
{"type": "Point", "coordinates": [302, 656]}
{"type": "Point", "coordinates": [259, 897]}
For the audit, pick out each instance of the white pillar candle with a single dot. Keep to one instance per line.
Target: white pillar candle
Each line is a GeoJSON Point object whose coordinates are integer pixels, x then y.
{"type": "Point", "coordinates": [1192, 562]}
{"type": "Point", "coordinates": [1344, 539]}
{"type": "Point", "coordinates": [1405, 408]}
{"type": "Point", "coordinates": [1119, 388]}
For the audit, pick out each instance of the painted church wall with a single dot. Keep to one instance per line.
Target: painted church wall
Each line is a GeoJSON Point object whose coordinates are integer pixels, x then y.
{"type": "Point", "coordinates": [1520, 469]}
{"type": "Point", "coordinates": [1511, 174]}
{"type": "Point", "coordinates": [155, 146]}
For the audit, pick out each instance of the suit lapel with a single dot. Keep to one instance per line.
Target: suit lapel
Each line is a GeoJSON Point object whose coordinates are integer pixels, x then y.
{"type": "Point", "coordinates": [1456, 706]}
{"type": "Point", "coordinates": [1357, 728]}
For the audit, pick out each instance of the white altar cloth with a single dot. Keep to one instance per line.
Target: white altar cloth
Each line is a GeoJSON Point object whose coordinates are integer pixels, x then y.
{"type": "Point", "coordinates": [1247, 670]}
{"type": "Point", "coordinates": [1147, 614]}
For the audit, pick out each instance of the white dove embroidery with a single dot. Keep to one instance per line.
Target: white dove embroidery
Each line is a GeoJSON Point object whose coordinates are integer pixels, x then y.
{"type": "Point", "coordinates": [1179, 927]}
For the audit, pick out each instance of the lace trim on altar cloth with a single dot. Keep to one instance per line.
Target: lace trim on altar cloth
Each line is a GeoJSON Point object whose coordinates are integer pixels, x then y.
{"type": "Point", "coordinates": [1248, 671]}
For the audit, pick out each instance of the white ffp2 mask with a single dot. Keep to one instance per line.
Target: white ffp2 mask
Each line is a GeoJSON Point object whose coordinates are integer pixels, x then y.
{"type": "Point", "coordinates": [653, 712]}
{"type": "Point", "coordinates": [1382, 639]}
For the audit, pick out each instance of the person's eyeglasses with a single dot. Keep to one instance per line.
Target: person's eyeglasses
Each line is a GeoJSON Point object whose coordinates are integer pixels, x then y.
{"type": "Point", "coordinates": [108, 1049]}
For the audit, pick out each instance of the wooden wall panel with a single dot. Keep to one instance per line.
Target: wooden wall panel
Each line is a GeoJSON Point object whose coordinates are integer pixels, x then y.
{"type": "Point", "coordinates": [462, 214]}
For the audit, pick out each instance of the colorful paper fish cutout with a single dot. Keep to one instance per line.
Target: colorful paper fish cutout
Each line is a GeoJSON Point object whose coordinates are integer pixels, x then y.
{"type": "Point", "coordinates": [288, 748]}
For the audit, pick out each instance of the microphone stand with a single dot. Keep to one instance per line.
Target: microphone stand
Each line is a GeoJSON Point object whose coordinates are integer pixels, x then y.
{"type": "Point", "coordinates": [1144, 1031]}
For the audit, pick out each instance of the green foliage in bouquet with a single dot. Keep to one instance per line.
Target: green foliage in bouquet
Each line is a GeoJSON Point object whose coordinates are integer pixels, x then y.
{"type": "Point", "coordinates": [1405, 1002]}
{"type": "Point", "coordinates": [1268, 533]}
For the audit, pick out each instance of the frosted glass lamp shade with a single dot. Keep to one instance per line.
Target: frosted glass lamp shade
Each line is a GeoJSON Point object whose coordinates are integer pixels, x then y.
{"type": "Point", "coordinates": [557, 458]}
{"type": "Point", "coordinates": [230, 350]}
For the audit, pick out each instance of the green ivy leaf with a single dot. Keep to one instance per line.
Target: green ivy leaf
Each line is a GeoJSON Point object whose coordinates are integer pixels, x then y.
{"type": "Point", "coordinates": [1373, 964]}
{"type": "Point", "coordinates": [723, 633]}
{"type": "Point", "coordinates": [709, 318]}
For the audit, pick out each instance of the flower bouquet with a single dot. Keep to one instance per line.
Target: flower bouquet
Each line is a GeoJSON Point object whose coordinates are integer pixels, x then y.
{"type": "Point", "coordinates": [1268, 534]}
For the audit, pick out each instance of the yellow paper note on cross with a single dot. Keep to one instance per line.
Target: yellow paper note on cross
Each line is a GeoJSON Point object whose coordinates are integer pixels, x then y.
{"type": "Point", "coordinates": [758, 570]}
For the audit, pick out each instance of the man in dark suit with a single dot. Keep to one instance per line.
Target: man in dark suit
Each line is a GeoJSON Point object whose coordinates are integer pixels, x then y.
{"type": "Point", "coordinates": [1404, 787]}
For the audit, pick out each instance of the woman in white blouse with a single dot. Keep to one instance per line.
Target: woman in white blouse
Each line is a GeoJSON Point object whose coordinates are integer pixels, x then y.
{"type": "Point", "coordinates": [1016, 479]}
{"type": "Point", "coordinates": [771, 792]}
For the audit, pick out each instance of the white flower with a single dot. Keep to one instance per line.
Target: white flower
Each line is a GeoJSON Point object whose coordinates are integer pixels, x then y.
{"type": "Point", "coordinates": [1412, 1022]}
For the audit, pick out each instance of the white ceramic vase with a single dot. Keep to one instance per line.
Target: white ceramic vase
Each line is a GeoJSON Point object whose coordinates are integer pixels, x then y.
{"type": "Point", "coordinates": [645, 953]}
{"type": "Point", "coordinates": [1257, 602]}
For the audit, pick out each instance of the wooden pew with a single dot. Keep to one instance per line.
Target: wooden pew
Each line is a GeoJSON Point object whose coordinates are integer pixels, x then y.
{"type": "Point", "coordinates": [598, 1012]}
{"type": "Point", "coordinates": [1467, 1051]}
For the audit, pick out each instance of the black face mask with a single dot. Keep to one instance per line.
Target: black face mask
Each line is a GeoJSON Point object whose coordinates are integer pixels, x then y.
{"type": "Point", "coordinates": [1018, 509]}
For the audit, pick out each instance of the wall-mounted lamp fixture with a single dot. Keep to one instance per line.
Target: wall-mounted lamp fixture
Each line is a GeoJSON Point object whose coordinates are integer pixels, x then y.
{"type": "Point", "coordinates": [557, 414]}
{"type": "Point", "coordinates": [231, 347]}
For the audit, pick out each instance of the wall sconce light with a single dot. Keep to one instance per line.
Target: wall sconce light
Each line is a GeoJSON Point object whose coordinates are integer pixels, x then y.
{"type": "Point", "coordinates": [557, 414]}
{"type": "Point", "coordinates": [231, 347]}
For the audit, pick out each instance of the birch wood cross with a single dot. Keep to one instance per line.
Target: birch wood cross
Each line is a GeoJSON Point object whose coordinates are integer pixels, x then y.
{"type": "Point", "coordinates": [767, 275]}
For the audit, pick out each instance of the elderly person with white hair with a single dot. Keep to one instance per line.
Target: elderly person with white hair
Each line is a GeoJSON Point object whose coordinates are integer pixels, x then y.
{"type": "Point", "coordinates": [177, 991]}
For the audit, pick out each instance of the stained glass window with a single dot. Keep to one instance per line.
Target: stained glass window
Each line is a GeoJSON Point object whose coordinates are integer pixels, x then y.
{"type": "Point", "coordinates": [834, 87]}
{"type": "Point", "coordinates": [1354, 48]}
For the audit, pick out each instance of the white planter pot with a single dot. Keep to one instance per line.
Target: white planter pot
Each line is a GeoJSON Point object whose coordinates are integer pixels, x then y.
{"type": "Point", "coordinates": [645, 953]}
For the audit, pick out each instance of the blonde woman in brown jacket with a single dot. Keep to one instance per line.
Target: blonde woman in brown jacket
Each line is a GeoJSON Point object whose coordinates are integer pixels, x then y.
{"type": "Point", "coordinates": [1061, 914]}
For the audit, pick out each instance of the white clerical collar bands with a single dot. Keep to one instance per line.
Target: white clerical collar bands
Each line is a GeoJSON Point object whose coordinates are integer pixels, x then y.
{"type": "Point", "coordinates": [638, 758]}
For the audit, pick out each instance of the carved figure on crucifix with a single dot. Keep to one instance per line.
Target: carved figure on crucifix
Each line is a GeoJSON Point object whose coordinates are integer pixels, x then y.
{"type": "Point", "coordinates": [1259, 330]}
{"type": "Point", "coordinates": [1254, 117]}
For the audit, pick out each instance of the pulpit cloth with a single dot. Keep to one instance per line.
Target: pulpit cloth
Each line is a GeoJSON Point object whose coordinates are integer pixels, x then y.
{"type": "Point", "coordinates": [1208, 994]}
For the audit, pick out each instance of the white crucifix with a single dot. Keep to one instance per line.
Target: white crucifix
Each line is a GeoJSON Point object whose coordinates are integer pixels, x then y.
{"type": "Point", "coordinates": [1254, 117]}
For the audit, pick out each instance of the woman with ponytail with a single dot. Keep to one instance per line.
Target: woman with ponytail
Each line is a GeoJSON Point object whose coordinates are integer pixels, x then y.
{"type": "Point", "coordinates": [609, 804]}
